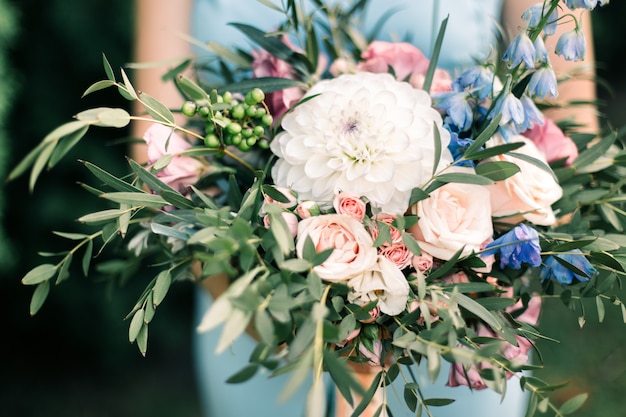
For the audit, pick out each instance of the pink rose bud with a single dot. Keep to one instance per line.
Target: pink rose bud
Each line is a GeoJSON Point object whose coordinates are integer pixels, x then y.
{"type": "Point", "coordinates": [423, 262]}
{"type": "Point", "coordinates": [349, 205]}
{"type": "Point", "coordinates": [290, 219]}
{"type": "Point", "coordinates": [308, 209]}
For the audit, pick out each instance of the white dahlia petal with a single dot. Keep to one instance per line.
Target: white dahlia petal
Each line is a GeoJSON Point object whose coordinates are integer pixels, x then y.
{"type": "Point", "coordinates": [365, 134]}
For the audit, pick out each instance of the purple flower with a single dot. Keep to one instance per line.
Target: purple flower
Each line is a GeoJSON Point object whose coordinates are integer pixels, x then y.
{"type": "Point", "coordinates": [511, 108]}
{"type": "Point", "coordinates": [478, 78]}
{"type": "Point", "coordinates": [458, 109]}
{"type": "Point", "coordinates": [555, 270]}
{"type": "Point", "coordinates": [542, 83]}
{"type": "Point", "coordinates": [520, 50]}
{"type": "Point", "coordinates": [519, 245]}
{"type": "Point", "coordinates": [572, 45]}
{"type": "Point", "coordinates": [535, 13]}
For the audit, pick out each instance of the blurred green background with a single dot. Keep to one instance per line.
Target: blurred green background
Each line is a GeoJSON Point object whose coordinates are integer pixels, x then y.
{"type": "Point", "coordinates": [73, 359]}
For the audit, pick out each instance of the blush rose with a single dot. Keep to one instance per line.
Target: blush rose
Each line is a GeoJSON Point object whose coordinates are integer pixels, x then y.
{"type": "Point", "coordinates": [182, 171]}
{"type": "Point", "coordinates": [455, 216]}
{"type": "Point", "coordinates": [353, 247]}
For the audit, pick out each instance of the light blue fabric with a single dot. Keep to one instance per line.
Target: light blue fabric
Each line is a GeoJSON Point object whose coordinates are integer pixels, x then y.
{"type": "Point", "coordinates": [470, 29]}
{"type": "Point", "coordinates": [469, 32]}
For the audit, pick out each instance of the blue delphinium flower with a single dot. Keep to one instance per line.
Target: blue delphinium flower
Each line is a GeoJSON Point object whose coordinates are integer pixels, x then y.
{"type": "Point", "coordinates": [479, 79]}
{"type": "Point", "coordinates": [541, 54]}
{"type": "Point", "coordinates": [533, 16]}
{"type": "Point", "coordinates": [543, 84]}
{"type": "Point", "coordinates": [520, 50]}
{"type": "Point", "coordinates": [458, 109]}
{"type": "Point", "coordinates": [518, 245]}
{"type": "Point", "coordinates": [457, 148]}
{"type": "Point", "coordinates": [511, 108]}
{"type": "Point", "coordinates": [555, 270]}
{"type": "Point", "coordinates": [582, 4]}
{"type": "Point", "coordinates": [572, 45]}
{"type": "Point", "coordinates": [532, 115]}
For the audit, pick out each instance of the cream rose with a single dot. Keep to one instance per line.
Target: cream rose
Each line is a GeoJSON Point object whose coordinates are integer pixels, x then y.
{"type": "Point", "coordinates": [354, 250]}
{"type": "Point", "coordinates": [383, 282]}
{"type": "Point", "coordinates": [455, 216]}
{"type": "Point", "coordinates": [530, 193]}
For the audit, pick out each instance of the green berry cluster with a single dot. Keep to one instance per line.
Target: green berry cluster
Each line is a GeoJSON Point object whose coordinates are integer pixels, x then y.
{"type": "Point", "coordinates": [232, 122]}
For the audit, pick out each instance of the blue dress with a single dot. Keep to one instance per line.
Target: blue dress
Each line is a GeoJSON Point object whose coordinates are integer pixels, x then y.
{"type": "Point", "coordinates": [470, 27]}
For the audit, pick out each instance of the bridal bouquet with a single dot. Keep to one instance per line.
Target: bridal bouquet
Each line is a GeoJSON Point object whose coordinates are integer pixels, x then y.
{"type": "Point", "coordinates": [368, 209]}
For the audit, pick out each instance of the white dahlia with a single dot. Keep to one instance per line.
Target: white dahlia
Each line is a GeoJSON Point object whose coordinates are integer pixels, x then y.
{"type": "Point", "coordinates": [364, 134]}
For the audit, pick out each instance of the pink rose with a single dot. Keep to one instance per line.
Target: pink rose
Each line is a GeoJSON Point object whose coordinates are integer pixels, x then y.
{"type": "Point", "coordinates": [469, 377]}
{"type": "Point", "coordinates": [397, 253]}
{"type": "Point", "coordinates": [354, 250]}
{"type": "Point", "coordinates": [552, 142]}
{"type": "Point", "coordinates": [455, 216]}
{"type": "Point", "coordinates": [442, 82]}
{"type": "Point", "coordinates": [265, 64]}
{"type": "Point", "coordinates": [396, 235]}
{"type": "Point", "coordinates": [349, 205]}
{"type": "Point", "coordinates": [530, 193]}
{"type": "Point", "coordinates": [404, 58]}
{"type": "Point", "coordinates": [182, 171]}
{"type": "Point", "coordinates": [423, 262]}
{"type": "Point", "coordinates": [290, 219]}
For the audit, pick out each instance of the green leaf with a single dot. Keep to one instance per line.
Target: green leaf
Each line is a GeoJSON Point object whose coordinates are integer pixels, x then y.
{"type": "Point", "coordinates": [573, 404]}
{"type": "Point", "coordinates": [243, 375]}
{"type": "Point", "coordinates": [438, 402]}
{"type": "Point", "coordinates": [66, 145]}
{"type": "Point", "coordinates": [161, 287]}
{"type": "Point", "coordinates": [135, 325]}
{"type": "Point", "coordinates": [586, 158]}
{"type": "Point", "coordinates": [493, 151]}
{"type": "Point", "coordinates": [136, 199]}
{"type": "Point", "coordinates": [157, 110]}
{"type": "Point", "coordinates": [87, 257]}
{"type": "Point", "coordinates": [64, 269]}
{"type": "Point", "coordinates": [481, 312]}
{"type": "Point", "coordinates": [142, 339]}
{"type": "Point", "coordinates": [105, 117]}
{"type": "Point", "coordinates": [600, 308]}
{"type": "Point", "coordinates": [107, 68]}
{"type": "Point", "coordinates": [484, 136]}
{"type": "Point", "coordinates": [191, 89]}
{"type": "Point", "coordinates": [97, 86]}
{"type": "Point", "coordinates": [39, 274]}
{"type": "Point", "coordinates": [267, 84]}
{"type": "Point", "coordinates": [497, 170]}
{"type": "Point", "coordinates": [430, 72]}
{"type": "Point", "coordinates": [110, 179]}
{"type": "Point", "coordinates": [265, 327]}
{"type": "Point", "coordinates": [234, 327]}
{"type": "Point", "coordinates": [40, 163]}
{"type": "Point", "coordinates": [102, 216]}
{"type": "Point", "coordinates": [464, 178]}
{"type": "Point", "coordinates": [39, 296]}
{"type": "Point", "coordinates": [129, 87]}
